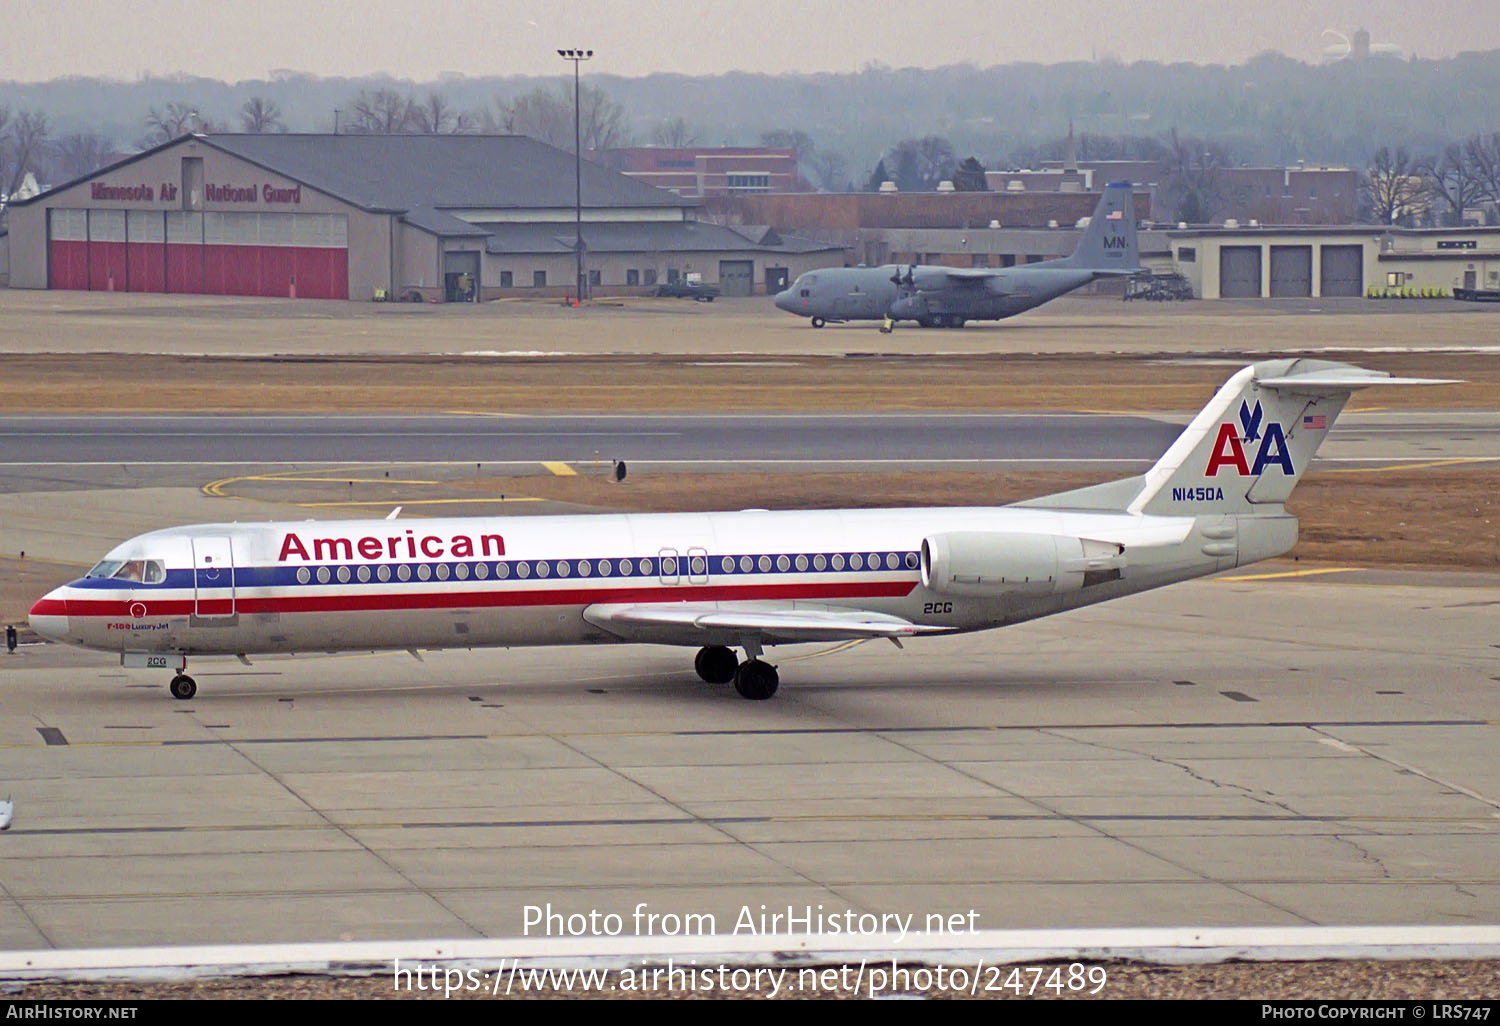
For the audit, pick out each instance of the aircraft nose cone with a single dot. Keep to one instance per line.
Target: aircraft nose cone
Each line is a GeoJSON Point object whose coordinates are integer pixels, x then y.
{"type": "Point", "coordinates": [783, 300]}
{"type": "Point", "coordinates": [49, 617]}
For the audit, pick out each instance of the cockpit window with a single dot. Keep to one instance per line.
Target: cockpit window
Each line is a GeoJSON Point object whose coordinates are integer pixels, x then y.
{"type": "Point", "coordinates": [143, 571]}
{"type": "Point", "coordinates": [130, 570]}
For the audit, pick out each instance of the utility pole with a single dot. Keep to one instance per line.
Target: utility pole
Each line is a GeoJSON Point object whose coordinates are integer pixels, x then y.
{"type": "Point", "coordinates": [578, 57]}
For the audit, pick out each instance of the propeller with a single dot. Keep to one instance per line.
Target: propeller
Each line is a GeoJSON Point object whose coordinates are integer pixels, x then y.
{"type": "Point", "coordinates": [908, 281]}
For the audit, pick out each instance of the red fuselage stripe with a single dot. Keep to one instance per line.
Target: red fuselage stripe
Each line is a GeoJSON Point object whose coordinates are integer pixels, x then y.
{"type": "Point", "coordinates": [298, 603]}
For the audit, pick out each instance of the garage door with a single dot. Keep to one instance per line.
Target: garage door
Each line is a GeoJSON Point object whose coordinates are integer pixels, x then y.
{"type": "Point", "coordinates": [460, 276]}
{"type": "Point", "coordinates": [1343, 271]}
{"type": "Point", "coordinates": [292, 255]}
{"type": "Point", "coordinates": [234, 254]}
{"type": "Point", "coordinates": [736, 277]}
{"type": "Point", "coordinates": [1239, 272]}
{"type": "Point", "coordinates": [68, 249]}
{"type": "Point", "coordinates": [1291, 271]}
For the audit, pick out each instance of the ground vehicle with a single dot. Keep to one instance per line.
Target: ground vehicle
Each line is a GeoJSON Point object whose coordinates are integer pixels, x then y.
{"type": "Point", "coordinates": [1157, 288]}
{"type": "Point", "coordinates": [687, 289]}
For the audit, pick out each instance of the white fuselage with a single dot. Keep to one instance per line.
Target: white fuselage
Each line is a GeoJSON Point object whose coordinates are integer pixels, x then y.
{"type": "Point", "coordinates": [318, 586]}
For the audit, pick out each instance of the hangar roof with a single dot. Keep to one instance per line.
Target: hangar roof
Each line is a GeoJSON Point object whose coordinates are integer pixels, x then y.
{"type": "Point", "coordinates": [416, 173]}
{"type": "Point", "coordinates": [439, 223]}
{"type": "Point", "coordinates": [391, 172]}
{"type": "Point", "coordinates": [644, 236]}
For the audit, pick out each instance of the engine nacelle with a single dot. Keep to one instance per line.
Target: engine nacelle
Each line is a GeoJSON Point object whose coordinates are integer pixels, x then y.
{"type": "Point", "coordinates": [987, 564]}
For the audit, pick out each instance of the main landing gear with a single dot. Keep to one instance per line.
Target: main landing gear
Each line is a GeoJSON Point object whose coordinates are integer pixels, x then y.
{"type": "Point", "coordinates": [183, 686]}
{"type": "Point", "coordinates": [753, 679]}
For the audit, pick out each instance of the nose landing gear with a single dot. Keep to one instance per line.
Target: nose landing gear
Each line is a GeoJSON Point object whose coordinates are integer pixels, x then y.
{"type": "Point", "coordinates": [183, 686]}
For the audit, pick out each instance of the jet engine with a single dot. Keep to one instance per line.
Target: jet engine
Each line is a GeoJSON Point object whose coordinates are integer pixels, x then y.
{"type": "Point", "coordinates": [987, 564]}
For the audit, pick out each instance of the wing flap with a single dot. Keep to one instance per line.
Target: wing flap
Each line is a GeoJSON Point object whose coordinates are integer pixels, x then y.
{"type": "Point", "coordinates": [693, 622]}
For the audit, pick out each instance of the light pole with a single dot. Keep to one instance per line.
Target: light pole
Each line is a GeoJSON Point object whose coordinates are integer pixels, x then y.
{"type": "Point", "coordinates": [577, 57]}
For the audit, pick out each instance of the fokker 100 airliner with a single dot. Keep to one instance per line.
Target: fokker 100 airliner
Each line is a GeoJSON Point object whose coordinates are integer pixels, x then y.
{"type": "Point", "coordinates": [717, 581]}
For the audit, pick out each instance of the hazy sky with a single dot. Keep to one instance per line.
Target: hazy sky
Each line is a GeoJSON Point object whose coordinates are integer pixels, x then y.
{"type": "Point", "coordinates": [42, 39]}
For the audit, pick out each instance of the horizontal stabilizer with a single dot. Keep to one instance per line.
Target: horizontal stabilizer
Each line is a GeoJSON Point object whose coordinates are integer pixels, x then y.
{"type": "Point", "coordinates": [1345, 381]}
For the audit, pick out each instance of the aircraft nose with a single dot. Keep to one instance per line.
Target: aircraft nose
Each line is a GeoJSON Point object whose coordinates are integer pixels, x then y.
{"type": "Point", "coordinates": [783, 300]}
{"type": "Point", "coordinates": [49, 617]}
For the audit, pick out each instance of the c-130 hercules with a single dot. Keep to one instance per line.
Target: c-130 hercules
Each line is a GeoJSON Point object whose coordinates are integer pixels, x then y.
{"type": "Point", "coordinates": [947, 297]}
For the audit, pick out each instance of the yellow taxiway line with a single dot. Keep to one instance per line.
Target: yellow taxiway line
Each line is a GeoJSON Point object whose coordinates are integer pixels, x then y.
{"type": "Point", "coordinates": [1292, 573]}
{"type": "Point", "coordinates": [1455, 462]}
{"type": "Point", "coordinates": [420, 502]}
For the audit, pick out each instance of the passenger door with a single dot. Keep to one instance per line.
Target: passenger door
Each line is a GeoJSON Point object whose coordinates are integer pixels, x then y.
{"type": "Point", "coordinates": [213, 577]}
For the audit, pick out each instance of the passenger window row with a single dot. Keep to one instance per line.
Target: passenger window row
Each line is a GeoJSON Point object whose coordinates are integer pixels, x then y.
{"type": "Point", "coordinates": [666, 566]}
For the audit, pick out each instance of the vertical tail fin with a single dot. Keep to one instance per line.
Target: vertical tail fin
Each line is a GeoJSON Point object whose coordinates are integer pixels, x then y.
{"type": "Point", "coordinates": [1109, 242]}
{"type": "Point", "coordinates": [1246, 450]}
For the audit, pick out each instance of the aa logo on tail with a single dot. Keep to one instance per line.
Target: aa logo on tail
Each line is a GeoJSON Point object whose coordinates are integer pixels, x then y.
{"type": "Point", "coordinates": [1229, 447]}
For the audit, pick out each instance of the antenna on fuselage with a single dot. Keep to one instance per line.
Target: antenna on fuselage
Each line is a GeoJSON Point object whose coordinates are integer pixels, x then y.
{"type": "Point", "coordinates": [393, 514]}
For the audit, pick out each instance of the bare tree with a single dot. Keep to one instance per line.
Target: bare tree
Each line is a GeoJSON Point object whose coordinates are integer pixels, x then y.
{"type": "Point", "coordinates": [538, 114]}
{"type": "Point", "coordinates": [437, 116]}
{"type": "Point", "coordinates": [1482, 155]}
{"type": "Point", "coordinates": [1392, 187]}
{"type": "Point", "coordinates": [1451, 176]}
{"type": "Point", "coordinates": [26, 142]}
{"type": "Point", "coordinates": [548, 116]}
{"type": "Point", "coordinates": [259, 115]}
{"type": "Point", "coordinates": [81, 153]}
{"type": "Point", "coordinates": [602, 121]}
{"type": "Point", "coordinates": [831, 171]}
{"type": "Point", "coordinates": [1195, 187]}
{"type": "Point", "coordinates": [674, 134]}
{"type": "Point", "coordinates": [177, 118]}
{"type": "Point", "coordinates": [383, 112]}
{"type": "Point", "coordinates": [789, 139]}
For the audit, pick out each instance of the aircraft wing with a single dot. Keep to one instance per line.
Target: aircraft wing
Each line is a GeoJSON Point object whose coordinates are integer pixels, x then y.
{"type": "Point", "coordinates": [971, 275]}
{"type": "Point", "coordinates": [698, 622]}
{"type": "Point", "coordinates": [967, 274]}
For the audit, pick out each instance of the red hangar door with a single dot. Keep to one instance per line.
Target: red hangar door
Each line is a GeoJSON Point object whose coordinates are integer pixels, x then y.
{"type": "Point", "coordinates": [227, 254]}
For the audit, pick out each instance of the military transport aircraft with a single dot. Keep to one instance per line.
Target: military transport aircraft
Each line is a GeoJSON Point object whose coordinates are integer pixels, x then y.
{"type": "Point", "coordinates": [716, 581]}
{"type": "Point", "coordinates": [947, 297]}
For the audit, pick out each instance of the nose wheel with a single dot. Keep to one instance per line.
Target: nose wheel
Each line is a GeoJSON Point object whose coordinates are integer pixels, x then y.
{"type": "Point", "coordinates": [183, 686]}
